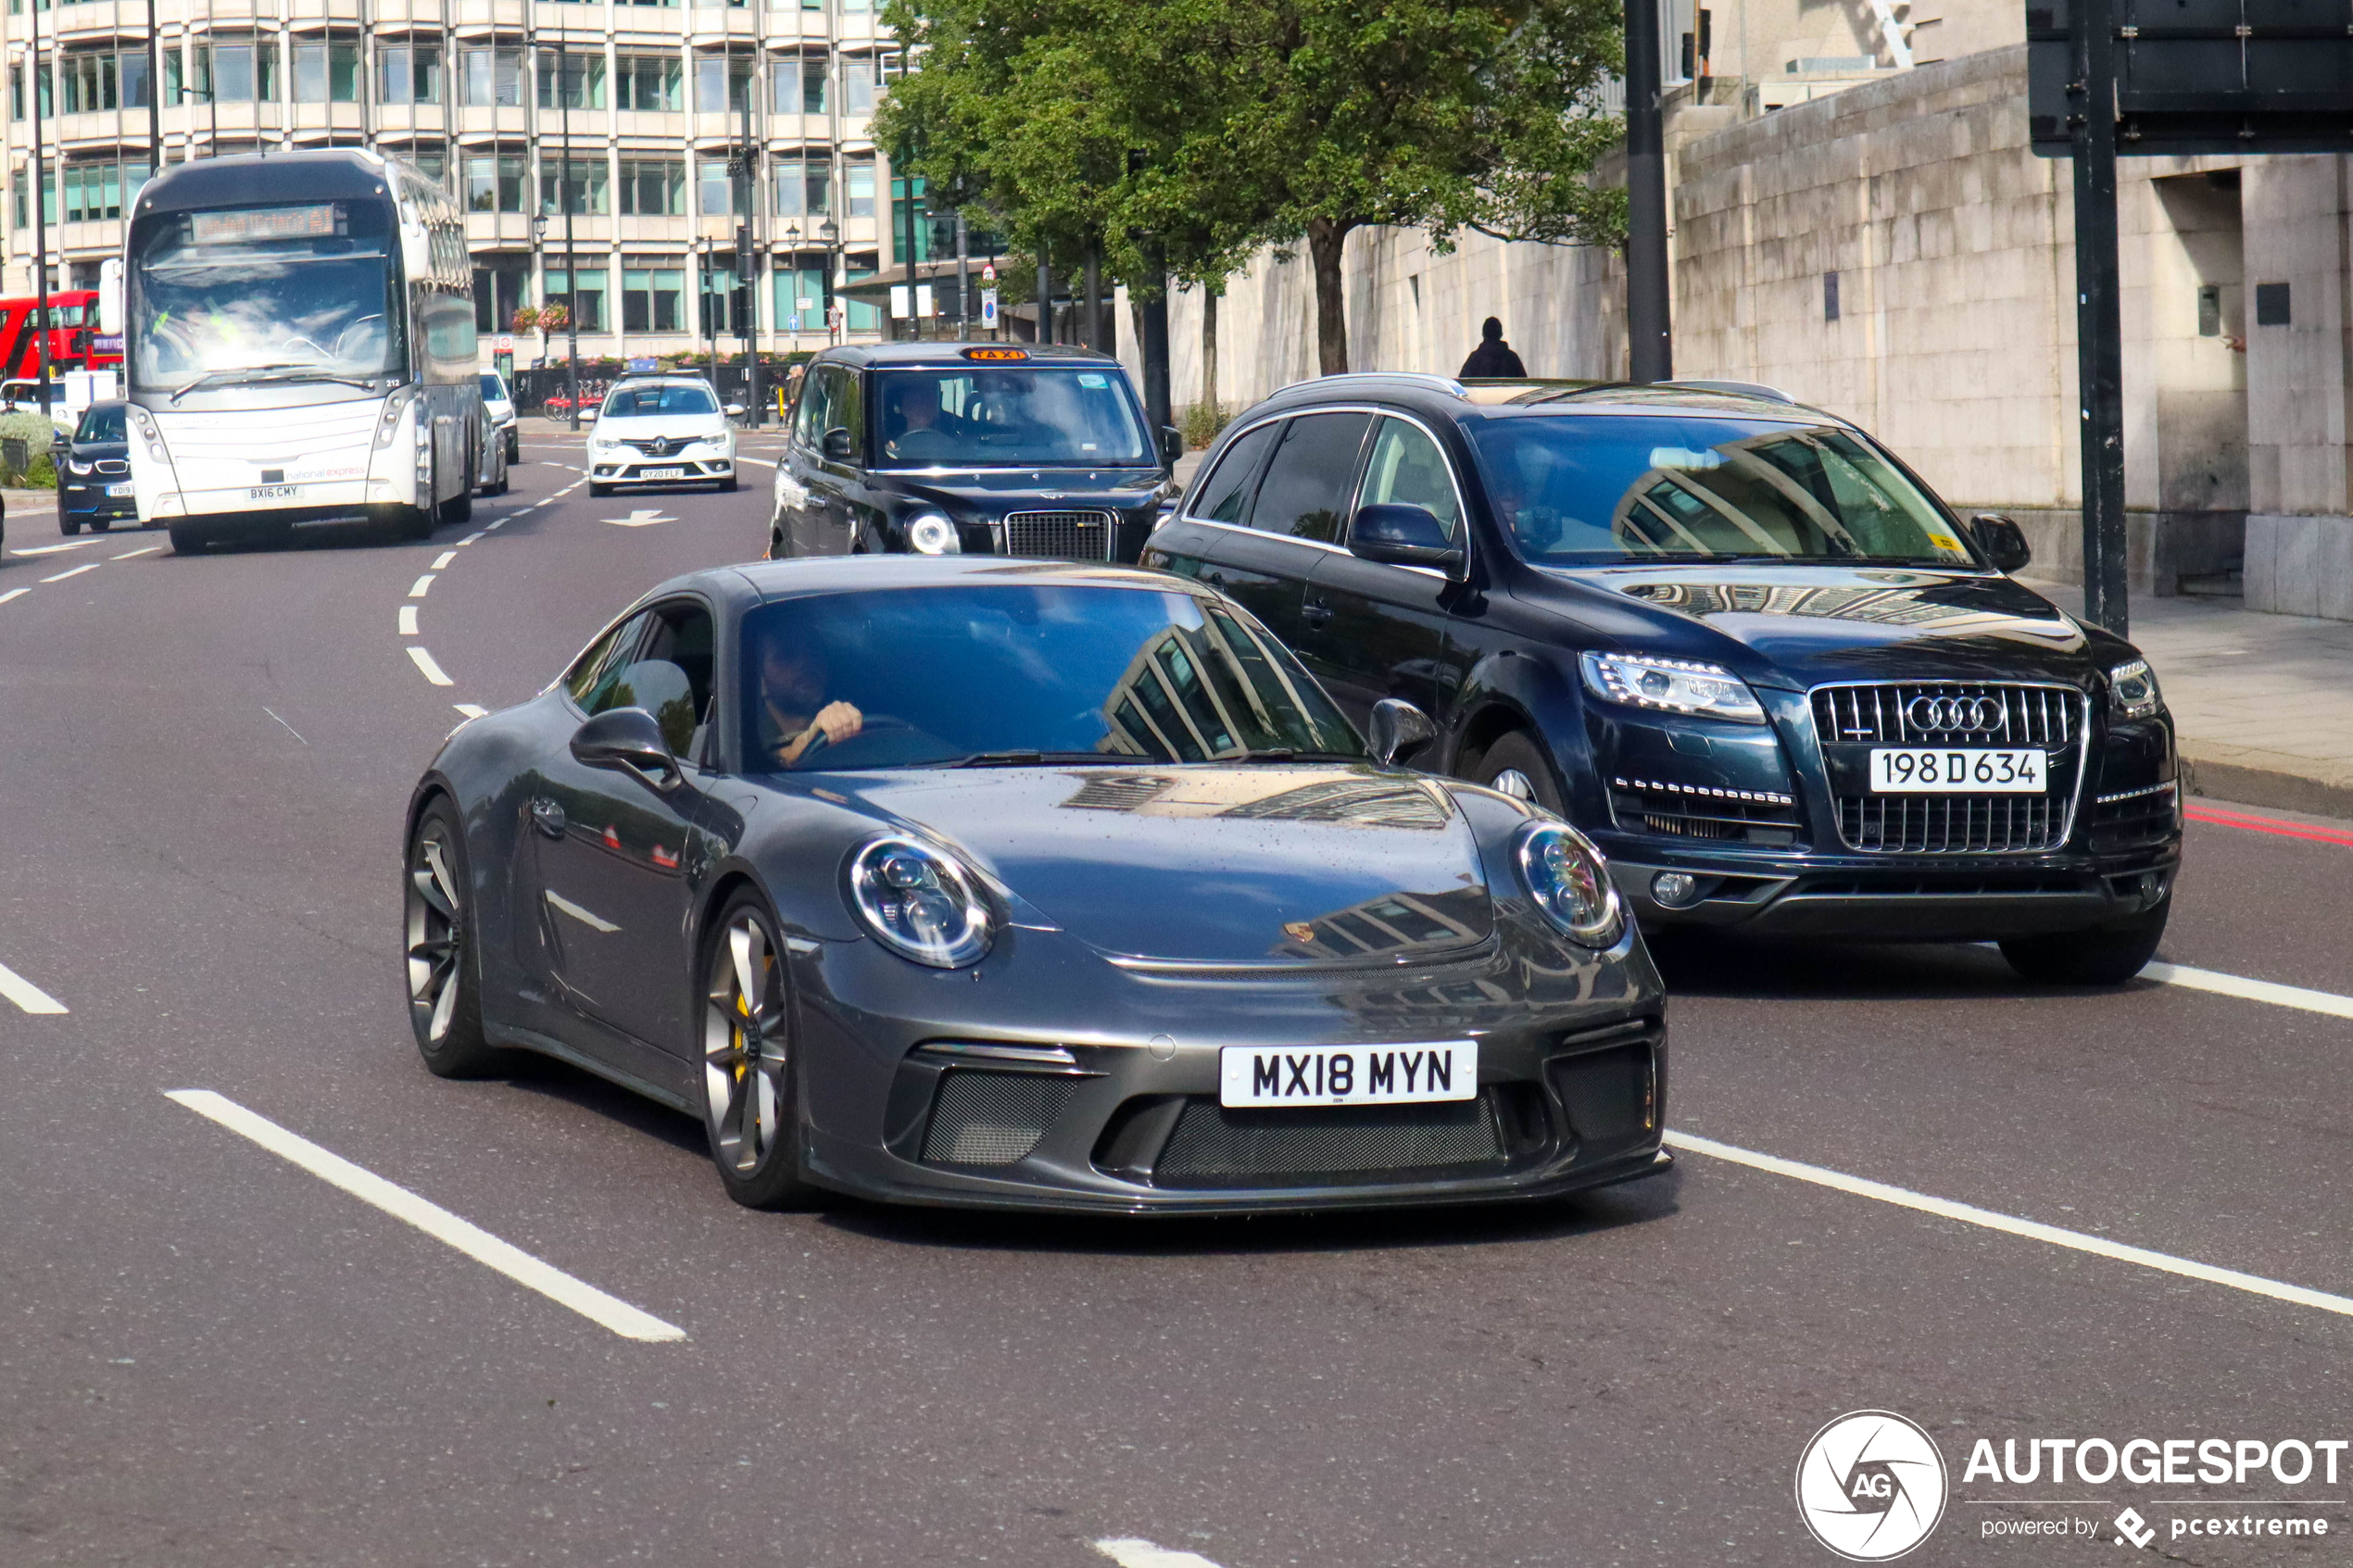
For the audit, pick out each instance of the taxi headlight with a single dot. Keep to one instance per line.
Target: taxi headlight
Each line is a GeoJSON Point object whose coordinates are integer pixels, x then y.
{"type": "Point", "coordinates": [2131, 690]}
{"type": "Point", "coordinates": [928, 533]}
{"type": "Point", "coordinates": [1672, 686]}
{"type": "Point", "coordinates": [921, 902]}
{"type": "Point", "coordinates": [1569, 881]}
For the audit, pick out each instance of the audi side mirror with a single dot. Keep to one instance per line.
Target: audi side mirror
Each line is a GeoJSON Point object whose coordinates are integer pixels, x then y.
{"type": "Point", "coordinates": [1171, 444]}
{"type": "Point", "coordinates": [2003, 541]}
{"type": "Point", "coordinates": [1398, 728]}
{"type": "Point", "coordinates": [628, 740]}
{"type": "Point", "coordinates": [1402, 535]}
{"type": "Point", "coordinates": [837, 445]}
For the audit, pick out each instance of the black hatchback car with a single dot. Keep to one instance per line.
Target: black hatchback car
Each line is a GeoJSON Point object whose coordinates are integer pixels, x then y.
{"type": "Point", "coordinates": [969, 448]}
{"type": "Point", "coordinates": [93, 473]}
{"type": "Point", "coordinates": [1731, 638]}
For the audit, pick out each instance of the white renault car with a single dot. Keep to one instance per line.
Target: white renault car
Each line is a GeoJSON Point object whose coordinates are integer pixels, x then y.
{"type": "Point", "coordinates": [661, 430]}
{"type": "Point", "coordinates": [499, 404]}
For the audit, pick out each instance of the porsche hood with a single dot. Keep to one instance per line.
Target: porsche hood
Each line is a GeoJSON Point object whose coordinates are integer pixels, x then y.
{"type": "Point", "coordinates": [1245, 864]}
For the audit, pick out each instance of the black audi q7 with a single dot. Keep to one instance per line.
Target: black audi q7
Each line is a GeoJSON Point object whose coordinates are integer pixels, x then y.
{"type": "Point", "coordinates": [969, 448]}
{"type": "Point", "coordinates": [1733, 639]}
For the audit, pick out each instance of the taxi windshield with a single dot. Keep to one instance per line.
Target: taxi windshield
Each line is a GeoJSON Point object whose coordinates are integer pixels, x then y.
{"type": "Point", "coordinates": [1043, 673]}
{"type": "Point", "coordinates": [1575, 490]}
{"type": "Point", "coordinates": [985, 418]}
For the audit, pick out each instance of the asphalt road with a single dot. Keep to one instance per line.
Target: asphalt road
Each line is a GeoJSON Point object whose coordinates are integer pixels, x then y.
{"type": "Point", "coordinates": [209, 1356]}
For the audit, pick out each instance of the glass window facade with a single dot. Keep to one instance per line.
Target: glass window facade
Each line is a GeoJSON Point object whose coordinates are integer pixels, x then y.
{"type": "Point", "coordinates": [586, 179]}
{"type": "Point", "coordinates": [572, 79]}
{"type": "Point", "coordinates": [494, 183]}
{"type": "Point", "coordinates": [653, 293]}
{"type": "Point", "coordinates": [653, 187]}
{"type": "Point", "coordinates": [651, 84]}
{"type": "Point", "coordinates": [490, 78]}
{"type": "Point", "coordinates": [409, 73]}
{"type": "Point", "coordinates": [587, 305]}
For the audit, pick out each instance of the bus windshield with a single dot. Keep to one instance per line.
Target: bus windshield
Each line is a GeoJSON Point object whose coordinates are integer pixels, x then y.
{"type": "Point", "coordinates": [238, 296]}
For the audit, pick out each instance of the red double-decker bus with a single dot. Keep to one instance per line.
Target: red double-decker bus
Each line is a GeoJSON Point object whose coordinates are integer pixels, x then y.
{"type": "Point", "coordinates": [74, 343]}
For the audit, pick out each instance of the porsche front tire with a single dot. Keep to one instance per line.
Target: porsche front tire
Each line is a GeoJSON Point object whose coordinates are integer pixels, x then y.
{"type": "Point", "coordinates": [751, 1105]}
{"type": "Point", "coordinates": [444, 976]}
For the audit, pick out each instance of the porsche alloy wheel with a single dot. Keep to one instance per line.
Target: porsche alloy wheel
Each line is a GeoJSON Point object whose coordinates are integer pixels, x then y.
{"type": "Point", "coordinates": [748, 1108]}
{"type": "Point", "coordinates": [444, 1012]}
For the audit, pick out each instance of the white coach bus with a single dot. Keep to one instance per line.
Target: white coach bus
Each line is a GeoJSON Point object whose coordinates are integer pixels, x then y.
{"type": "Point", "coordinates": [299, 348]}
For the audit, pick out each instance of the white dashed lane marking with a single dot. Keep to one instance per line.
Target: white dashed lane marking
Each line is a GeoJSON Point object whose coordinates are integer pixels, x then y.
{"type": "Point", "coordinates": [52, 550]}
{"type": "Point", "coordinates": [418, 589]}
{"type": "Point", "coordinates": [149, 550]}
{"type": "Point", "coordinates": [606, 1310]}
{"type": "Point", "coordinates": [441, 562]}
{"type": "Point", "coordinates": [408, 621]}
{"type": "Point", "coordinates": [1968, 1214]}
{"type": "Point", "coordinates": [471, 709]}
{"type": "Point", "coordinates": [1129, 1552]}
{"type": "Point", "coordinates": [75, 571]}
{"type": "Point", "coordinates": [26, 995]}
{"type": "Point", "coordinates": [2250, 990]}
{"type": "Point", "coordinates": [431, 670]}
{"type": "Point", "coordinates": [14, 594]}
{"type": "Point", "coordinates": [467, 540]}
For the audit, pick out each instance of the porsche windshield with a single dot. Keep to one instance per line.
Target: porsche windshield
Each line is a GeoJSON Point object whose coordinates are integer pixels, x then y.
{"type": "Point", "coordinates": [983, 417]}
{"type": "Point", "coordinates": [1021, 672]}
{"type": "Point", "coordinates": [1579, 490]}
{"type": "Point", "coordinates": [243, 296]}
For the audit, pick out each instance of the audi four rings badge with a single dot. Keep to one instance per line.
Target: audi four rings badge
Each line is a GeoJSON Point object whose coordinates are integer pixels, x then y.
{"type": "Point", "coordinates": [1957, 714]}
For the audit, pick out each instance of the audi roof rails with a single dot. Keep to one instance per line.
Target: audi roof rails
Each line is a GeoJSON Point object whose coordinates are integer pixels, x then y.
{"type": "Point", "coordinates": [1447, 385]}
{"type": "Point", "coordinates": [1743, 388]}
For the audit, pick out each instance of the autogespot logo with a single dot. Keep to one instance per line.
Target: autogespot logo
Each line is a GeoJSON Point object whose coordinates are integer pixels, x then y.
{"type": "Point", "coordinates": [1871, 1486]}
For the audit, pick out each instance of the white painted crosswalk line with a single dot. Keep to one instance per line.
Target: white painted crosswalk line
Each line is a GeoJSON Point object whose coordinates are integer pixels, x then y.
{"type": "Point", "coordinates": [2222, 984]}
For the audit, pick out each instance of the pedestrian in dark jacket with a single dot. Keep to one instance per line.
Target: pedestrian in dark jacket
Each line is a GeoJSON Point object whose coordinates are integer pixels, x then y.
{"type": "Point", "coordinates": [1493, 356]}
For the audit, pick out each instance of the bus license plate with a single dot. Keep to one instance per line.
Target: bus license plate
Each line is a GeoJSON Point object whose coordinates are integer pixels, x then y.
{"type": "Point", "coordinates": [1260, 1075]}
{"type": "Point", "coordinates": [662, 474]}
{"type": "Point", "coordinates": [115, 492]}
{"type": "Point", "coordinates": [1958, 770]}
{"type": "Point", "coordinates": [272, 491]}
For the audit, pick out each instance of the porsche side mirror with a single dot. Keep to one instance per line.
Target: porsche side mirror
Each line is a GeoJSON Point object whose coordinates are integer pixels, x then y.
{"type": "Point", "coordinates": [1171, 444]}
{"type": "Point", "coordinates": [837, 445]}
{"type": "Point", "coordinates": [2003, 541]}
{"type": "Point", "coordinates": [1398, 727]}
{"type": "Point", "coordinates": [628, 740]}
{"type": "Point", "coordinates": [1402, 535]}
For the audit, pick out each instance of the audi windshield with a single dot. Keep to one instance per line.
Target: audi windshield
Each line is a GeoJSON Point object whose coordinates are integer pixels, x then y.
{"type": "Point", "coordinates": [305, 296]}
{"type": "Point", "coordinates": [1573, 492]}
{"type": "Point", "coordinates": [1031, 417]}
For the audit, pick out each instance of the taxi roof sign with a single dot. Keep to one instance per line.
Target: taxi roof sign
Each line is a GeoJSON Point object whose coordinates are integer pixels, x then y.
{"type": "Point", "coordinates": [996, 354]}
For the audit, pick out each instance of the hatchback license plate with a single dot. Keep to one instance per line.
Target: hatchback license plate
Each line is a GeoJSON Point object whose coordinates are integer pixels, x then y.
{"type": "Point", "coordinates": [118, 490]}
{"type": "Point", "coordinates": [1263, 1076]}
{"type": "Point", "coordinates": [662, 474]}
{"type": "Point", "coordinates": [1936, 770]}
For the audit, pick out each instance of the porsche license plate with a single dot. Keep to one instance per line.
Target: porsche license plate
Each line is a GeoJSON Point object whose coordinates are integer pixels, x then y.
{"type": "Point", "coordinates": [1263, 1076]}
{"type": "Point", "coordinates": [272, 491]}
{"type": "Point", "coordinates": [1956, 770]}
{"type": "Point", "coordinates": [661, 473]}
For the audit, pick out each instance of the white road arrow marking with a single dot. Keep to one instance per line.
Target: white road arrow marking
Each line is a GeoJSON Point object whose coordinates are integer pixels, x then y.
{"type": "Point", "coordinates": [644, 517]}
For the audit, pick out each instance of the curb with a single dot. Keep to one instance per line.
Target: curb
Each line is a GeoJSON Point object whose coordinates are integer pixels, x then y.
{"type": "Point", "coordinates": [2245, 776]}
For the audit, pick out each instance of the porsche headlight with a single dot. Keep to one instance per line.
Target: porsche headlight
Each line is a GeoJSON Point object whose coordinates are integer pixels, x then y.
{"type": "Point", "coordinates": [2131, 690]}
{"type": "Point", "coordinates": [921, 903]}
{"type": "Point", "coordinates": [1673, 685]}
{"type": "Point", "coordinates": [928, 533]}
{"type": "Point", "coordinates": [1569, 881]}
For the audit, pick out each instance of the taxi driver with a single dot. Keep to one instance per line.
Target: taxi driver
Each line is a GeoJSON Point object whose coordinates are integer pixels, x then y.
{"type": "Point", "coordinates": [794, 714]}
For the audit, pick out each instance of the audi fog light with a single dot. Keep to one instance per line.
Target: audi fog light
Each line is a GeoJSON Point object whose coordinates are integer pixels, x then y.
{"type": "Point", "coordinates": [1673, 685]}
{"type": "Point", "coordinates": [921, 903]}
{"type": "Point", "coordinates": [1675, 889]}
{"type": "Point", "coordinates": [2131, 690]}
{"type": "Point", "coordinates": [1570, 882]}
{"type": "Point", "coordinates": [931, 534]}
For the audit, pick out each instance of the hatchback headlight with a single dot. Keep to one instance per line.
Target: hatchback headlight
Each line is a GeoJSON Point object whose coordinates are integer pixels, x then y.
{"type": "Point", "coordinates": [922, 903]}
{"type": "Point", "coordinates": [2131, 690]}
{"type": "Point", "coordinates": [1672, 686]}
{"type": "Point", "coordinates": [928, 533]}
{"type": "Point", "coordinates": [75, 464]}
{"type": "Point", "coordinates": [1569, 881]}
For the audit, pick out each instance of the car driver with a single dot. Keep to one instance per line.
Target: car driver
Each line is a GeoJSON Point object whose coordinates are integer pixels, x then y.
{"type": "Point", "coordinates": [792, 698]}
{"type": "Point", "coordinates": [915, 418]}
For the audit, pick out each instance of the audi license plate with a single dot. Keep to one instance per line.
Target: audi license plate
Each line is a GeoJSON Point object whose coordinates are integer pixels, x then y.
{"type": "Point", "coordinates": [272, 491]}
{"type": "Point", "coordinates": [661, 473]}
{"type": "Point", "coordinates": [1955, 769]}
{"type": "Point", "coordinates": [1262, 1076]}
{"type": "Point", "coordinates": [118, 491]}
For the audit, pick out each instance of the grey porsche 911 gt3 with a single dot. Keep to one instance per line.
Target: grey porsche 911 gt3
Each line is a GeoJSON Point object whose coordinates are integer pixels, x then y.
{"type": "Point", "coordinates": [1021, 884]}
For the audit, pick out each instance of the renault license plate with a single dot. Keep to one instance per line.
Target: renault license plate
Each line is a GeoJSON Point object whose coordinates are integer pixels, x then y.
{"type": "Point", "coordinates": [1958, 770]}
{"type": "Point", "coordinates": [661, 473]}
{"type": "Point", "coordinates": [1264, 1075]}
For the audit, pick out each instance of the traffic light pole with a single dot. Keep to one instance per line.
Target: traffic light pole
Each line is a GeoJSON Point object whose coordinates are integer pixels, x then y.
{"type": "Point", "coordinates": [2099, 331]}
{"type": "Point", "coordinates": [1650, 344]}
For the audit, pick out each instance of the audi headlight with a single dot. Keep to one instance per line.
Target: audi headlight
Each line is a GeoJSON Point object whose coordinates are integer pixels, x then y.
{"type": "Point", "coordinates": [1569, 881]}
{"type": "Point", "coordinates": [922, 903]}
{"type": "Point", "coordinates": [2131, 690]}
{"type": "Point", "coordinates": [928, 533]}
{"type": "Point", "coordinates": [1672, 686]}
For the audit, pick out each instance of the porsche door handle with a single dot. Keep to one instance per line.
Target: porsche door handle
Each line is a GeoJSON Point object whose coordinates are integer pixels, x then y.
{"type": "Point", "coordinates": [1314, 614]}
{"type": "Point", "coordinates": [549, 818]}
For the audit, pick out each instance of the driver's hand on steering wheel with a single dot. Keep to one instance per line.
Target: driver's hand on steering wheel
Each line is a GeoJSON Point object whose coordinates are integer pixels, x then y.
{"type": "Point", "coordinates": [835, 722]}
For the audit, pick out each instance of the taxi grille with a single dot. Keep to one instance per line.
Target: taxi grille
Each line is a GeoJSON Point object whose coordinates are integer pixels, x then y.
{"type": "Point", "coordinates": [1059, 535]}
{"type": "Point", "coordinates": [1950, 713]}
{"type": "Point", "coordinates": [1215, 1146]}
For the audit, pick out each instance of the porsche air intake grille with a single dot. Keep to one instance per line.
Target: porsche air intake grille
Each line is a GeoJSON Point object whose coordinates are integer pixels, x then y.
{"type": "Point", "coordinates": [1059, 535]}
{"type": "Point", "coordinates": [993, 1118]}
{"type": "Point", "coordinates": [1217, 1147]}
{"type": "Point", "coordinates": [1947, 713]}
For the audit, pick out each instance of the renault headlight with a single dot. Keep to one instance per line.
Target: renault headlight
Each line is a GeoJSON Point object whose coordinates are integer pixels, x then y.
{"type": "Point", "coordinates": [2131, 690]}
{"type": "Point", "coordinates": [1672, 686]}
{"type": "Point", "coordinates": [928, 533]}
{"type": "Point", "coordinates": [922, 903]}
{"type": "Point", "coordinates": [1569, 881]}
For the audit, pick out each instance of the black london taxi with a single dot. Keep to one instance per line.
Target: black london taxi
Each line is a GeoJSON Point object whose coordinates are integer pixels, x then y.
{"type": "Point", "coordinates": [93, 472]}
{"type": "Point", "coordinates": [970, 448]}
{"type": "Point", "coordinates": [1733, 639]}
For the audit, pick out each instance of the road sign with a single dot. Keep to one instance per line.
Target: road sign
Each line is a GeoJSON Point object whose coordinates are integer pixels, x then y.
{"type": "Point", "coordinates": [988, 271]}
{"type": "Point", "coordinates": [506, 342]}
{"type": "Point", "coordinates": [792, 323]}
{"type": "Point", "coordinates": [988, 308]}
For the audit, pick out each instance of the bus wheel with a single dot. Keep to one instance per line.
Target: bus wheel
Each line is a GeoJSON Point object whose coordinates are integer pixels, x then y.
{"type": "Point", "coordinates": [461, 506]}
{"type": "Point", "coordinates": [187, 539]}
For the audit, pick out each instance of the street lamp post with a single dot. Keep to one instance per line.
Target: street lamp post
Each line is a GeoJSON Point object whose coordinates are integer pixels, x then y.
{"type": "Point", "coordinates": [836, 274]}
{"type": "Point", "coordinates": [539, 256]}
{"type": "Point", "coordinates": [36, 78]}
{"type": "Point", "coordinates": [571, 262]}
{"type": "Point", "coordinates": [792, 260]}
{"type": "Point", "coordinates": [709, 315]}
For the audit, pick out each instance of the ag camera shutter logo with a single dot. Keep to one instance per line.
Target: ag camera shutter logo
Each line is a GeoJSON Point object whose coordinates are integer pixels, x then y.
{"type": "Point", "coordinates": [1871, 1486]}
